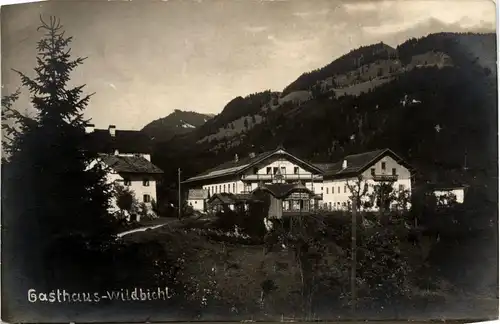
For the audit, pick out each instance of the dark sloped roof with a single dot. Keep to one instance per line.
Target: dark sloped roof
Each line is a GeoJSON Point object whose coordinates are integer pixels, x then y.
{"type": "Point", "coordinates": [229, 198]}
{"type": "Point", "coordinates": [130, 164]}
{"type": "Point", "coordinates": [283, 190]}
{"type": "Point", "coordinates": [356, 163]}
{"type": "Point", "coordinates": [233, 167]}
{"type": "Point", "coordinates": [197, 194]}
{"type": "Point", "coordinates": [125, 141]}
{"type": "Point", "coordinates": [229, 167]}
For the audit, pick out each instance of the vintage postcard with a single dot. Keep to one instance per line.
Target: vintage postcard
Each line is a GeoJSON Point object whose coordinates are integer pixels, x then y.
{"type": "Point", "coordinates": [224, 160]}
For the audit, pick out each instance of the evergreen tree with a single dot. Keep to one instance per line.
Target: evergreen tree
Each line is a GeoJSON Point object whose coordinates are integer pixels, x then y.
{"type": "Point", "coordinates": [55, 198]}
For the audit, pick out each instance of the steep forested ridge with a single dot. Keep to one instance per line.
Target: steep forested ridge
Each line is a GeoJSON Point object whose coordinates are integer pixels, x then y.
{"type": "Point", "coordinates": [442, 119]}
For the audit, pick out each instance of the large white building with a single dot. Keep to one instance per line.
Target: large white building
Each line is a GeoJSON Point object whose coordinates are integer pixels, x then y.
{"type": "Point", "coordinates": [329, 182]}
{"type": "Point", "coordinates": [127, 153]}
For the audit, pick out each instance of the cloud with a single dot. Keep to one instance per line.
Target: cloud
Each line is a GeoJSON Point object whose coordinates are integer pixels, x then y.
{"type": "Point", "coordinates": [255, 29]}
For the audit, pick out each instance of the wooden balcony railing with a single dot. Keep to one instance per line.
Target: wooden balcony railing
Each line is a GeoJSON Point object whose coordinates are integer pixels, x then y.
{"type": "Point", "coordinates": [385, 177]}
{"type": "Point", "coordinates": [285, 177]}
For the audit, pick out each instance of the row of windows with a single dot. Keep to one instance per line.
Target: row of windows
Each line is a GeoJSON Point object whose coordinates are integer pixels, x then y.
{"type": "Point", "coordinates": [221, 188]}
{"type": "Point", "coordinates": [333, 189]}
{"type": "Point", "coordinates": [128, 182]}
{"type": "Point", "coordinates": [274, 170]}
{"type": "Point", "coordinates": [401, 188]}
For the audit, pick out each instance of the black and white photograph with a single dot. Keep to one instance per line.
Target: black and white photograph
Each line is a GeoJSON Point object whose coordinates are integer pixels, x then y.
{"type": "Point", "coordinates": [249, 161]}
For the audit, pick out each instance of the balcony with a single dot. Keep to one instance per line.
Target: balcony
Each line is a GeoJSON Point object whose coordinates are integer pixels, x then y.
{"type": "Point", "coordinates": [385, 177]}
{"type": "Point", "coordinates": [280, 177]}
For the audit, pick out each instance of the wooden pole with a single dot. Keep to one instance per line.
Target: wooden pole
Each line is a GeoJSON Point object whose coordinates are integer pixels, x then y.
{"type": "Point", "coordinates": [179, 187]}
{"type": "Point", "coordinates": [353, 257]}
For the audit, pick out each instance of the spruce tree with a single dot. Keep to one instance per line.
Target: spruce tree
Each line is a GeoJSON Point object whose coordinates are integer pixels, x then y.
{"type": "Point", "coordinates": [55, 199]}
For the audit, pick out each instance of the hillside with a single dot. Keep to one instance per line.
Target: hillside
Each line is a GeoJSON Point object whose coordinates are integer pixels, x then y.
{"type": "Point", "coordinates": [178, 122]}
{"type": "Point", "coordinates": [432, 100]}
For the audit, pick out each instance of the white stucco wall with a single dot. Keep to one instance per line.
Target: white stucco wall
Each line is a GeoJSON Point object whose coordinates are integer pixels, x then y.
{"type": "Point", "coordinates": [136, 186]}
{"type": "Point", "coordinates": [458, 192]}
{"type": "Point", "coordinates": [336, 193]}
{"type": "Point", "coordinates": [197, 204]}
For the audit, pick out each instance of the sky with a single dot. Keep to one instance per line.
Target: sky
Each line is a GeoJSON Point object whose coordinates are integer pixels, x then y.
{"type": "Point", "coordinates": [147, 58]}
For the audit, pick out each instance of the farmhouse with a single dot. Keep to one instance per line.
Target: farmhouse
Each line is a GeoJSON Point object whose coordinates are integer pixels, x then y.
{"type": "Point", "coordinates": [360, 173]}
{"type": "Point", "coordinates": [127, 153]}
{"type": "Point", "coordinates": [327, 185]}
{"type": "Point", "coordinates": [244, 175]}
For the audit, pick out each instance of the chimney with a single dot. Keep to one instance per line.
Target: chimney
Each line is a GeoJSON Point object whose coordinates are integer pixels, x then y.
{"type": "Point", "coordinates": [344, 164]}
{"type": "Point", "coordinates": [236, 158]}
{"type": "Point", "coordinates": [112, 130]}
{"type": "Point", "coordinates": [251, 155]}
{"type": "Point", "coordinates": [117, 152]}
{"type": "Point", "coordinates": [89, 128]}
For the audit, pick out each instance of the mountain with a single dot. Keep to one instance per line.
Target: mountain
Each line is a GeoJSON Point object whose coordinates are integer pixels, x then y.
{"type": "Point", "coordinates": [178, 122]}
{"type": "Point", "coordinates": [432, 100]}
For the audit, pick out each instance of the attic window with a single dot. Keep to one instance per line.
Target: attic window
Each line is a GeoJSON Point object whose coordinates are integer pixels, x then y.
{"type": "Point", "coordinates": [373, 171]}
{"type": "Point", "coordinates": [145, 183]}
{"type": "Point", "coordinates": [268, 170]}
{"type": "Point", "coordinates": [393, 171]}
{"type": "Point", "coordinates": [296, 170]}
{"type": "Point", "coordinates": [383, 165]}
{"type": "Point", "coordinates": [127, 182]}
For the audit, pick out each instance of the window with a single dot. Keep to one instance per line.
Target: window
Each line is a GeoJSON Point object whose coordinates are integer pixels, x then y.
{"type": "Point", "coordinates": [208, 189]}
{"type": "Point", "coordinates": [228, 188]}
{"type": "Point", "coordinates": [127, 182]}
{"type": "Point", "coordinates": [383, 165]}
{"type": "Point", "coordinates": [338, 189]}
{"type": "Point", "coordinates": [330, 205]}
{"type": "Point", "coordinates": [343, 204]}
{"type": "Point", "coordinates": [401, 187]}
{"type": "Point", "coordinates": [220, 188]}
{"type": "Point", "coordinates": [234, 187]}
{"type": "Point", "coordinates": [373, 171]}
{"type": "Point", "coordinates": [145, 183]}
{"type": "Point", "coordinates": [283, 170]}
{"type": "Point", "coordinates": [268, 170]}
{"type": "Point", "coordinates": [333, 190]}
{"type": "Point", "coordinates": [146, 198]}
{"type": "Point", "coordinates": [296, 170]}
{"type": "Point", "coordinates": [345, 188]}
{"type": "Point", "coordinates": [321, 188]}
{"type": "Point", "coordinates": [224, 188]}
{"type": "Point", "coordinates": [275, 170]}
{"type": "Point", "coordinates": [327, 190]}
{"type": "Point", "coordinates": [255, 170]}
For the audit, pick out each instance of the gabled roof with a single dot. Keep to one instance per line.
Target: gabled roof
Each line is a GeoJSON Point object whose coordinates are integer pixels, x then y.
{"type": "Point", "coordinates": [125, 141]}
{"type": "Point", "coordinates": [229, 198]}
{"type": "Point", "coordinates": [357, 163]}
{"type": "Point", "coordinates": [235, 167]}
{"type": "Point", "coordinates": [130, 164]}
{"type": "Point", "coordinates": [283, 190]}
